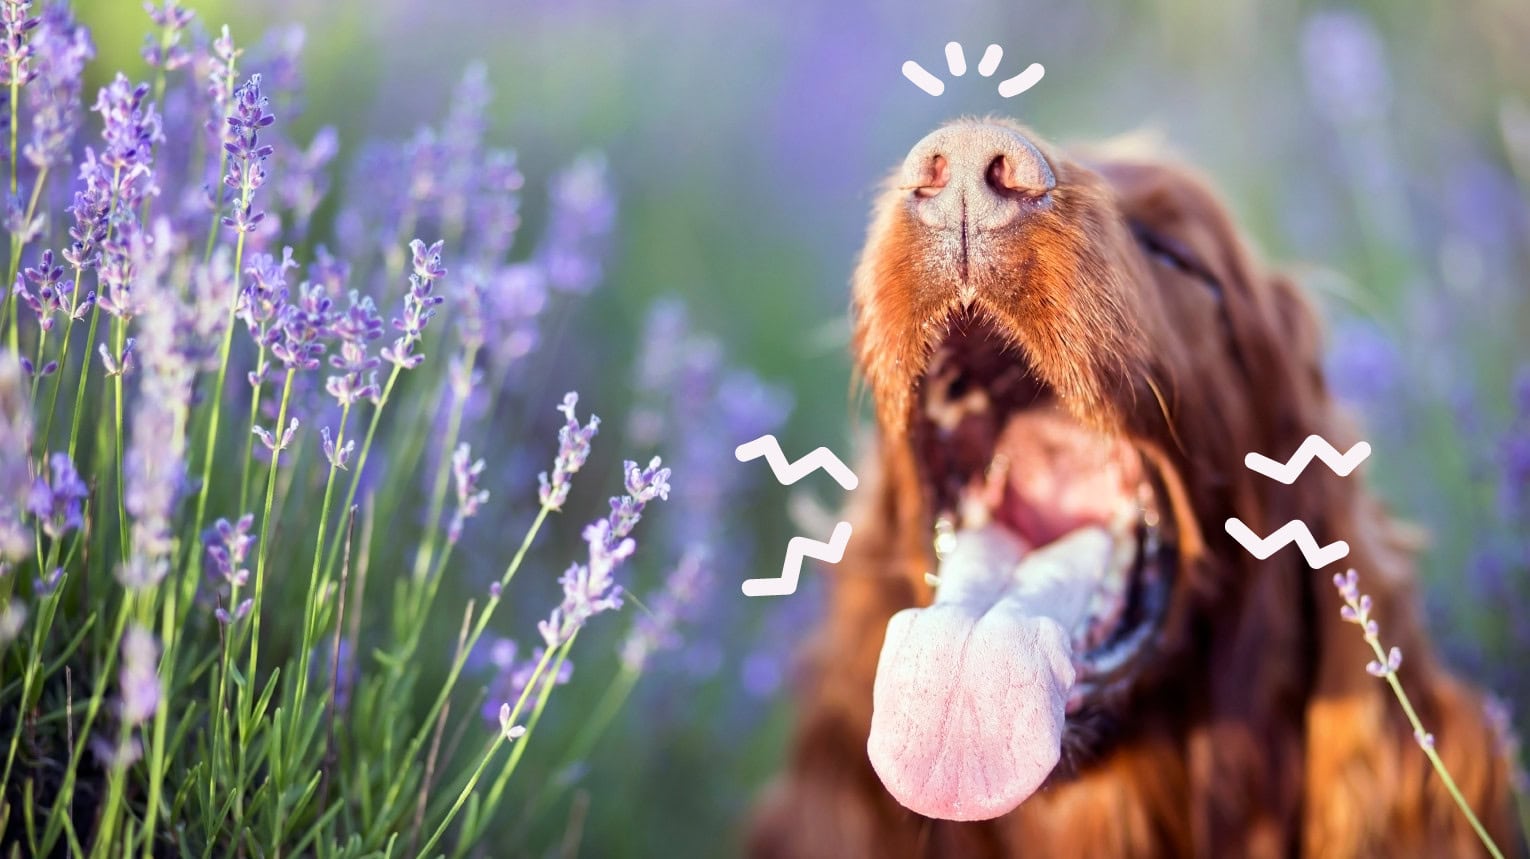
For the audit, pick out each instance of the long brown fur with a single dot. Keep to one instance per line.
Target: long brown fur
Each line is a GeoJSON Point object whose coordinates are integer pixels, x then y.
{"type": "Point", "coordinates": [1253, 729]}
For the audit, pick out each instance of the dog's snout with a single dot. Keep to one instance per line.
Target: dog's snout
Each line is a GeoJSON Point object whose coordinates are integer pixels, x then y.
{"type": "Point", "coordinates": [975, 175]}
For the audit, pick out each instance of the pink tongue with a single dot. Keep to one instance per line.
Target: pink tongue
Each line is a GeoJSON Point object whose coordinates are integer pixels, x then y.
{"type": "Point", "coordinates": [967, 712]}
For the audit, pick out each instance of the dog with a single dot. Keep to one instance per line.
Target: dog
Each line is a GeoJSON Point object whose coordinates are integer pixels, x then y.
{"type": "Point", "coordinates": [1041, 640]}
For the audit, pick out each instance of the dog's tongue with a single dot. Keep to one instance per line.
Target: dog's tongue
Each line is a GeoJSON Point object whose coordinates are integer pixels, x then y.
{"type": "Point", "coordinates": [967, 713]}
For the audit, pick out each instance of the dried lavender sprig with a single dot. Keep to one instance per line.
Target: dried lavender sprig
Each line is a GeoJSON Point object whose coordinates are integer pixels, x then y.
{"type": "Point", "coordinates": [1357, 610]}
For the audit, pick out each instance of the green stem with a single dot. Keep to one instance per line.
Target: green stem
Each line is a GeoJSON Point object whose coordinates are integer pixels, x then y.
{"type": "Point", "coordinates": [1434, 758]}
{"type": "Point", "coordinates": [262, 549]}
{"type": "Point", "coordinates": [361, 462]}
{"type": "Point", "coordinates": [119, 326]}
{"type": "Point", "coordinates": [497, 790]}
{"type": "Point", "coordinates": [418, 741]}
{"type": "Point", "coordinates": [472, 782]}
{"type": "Point", "coordinates": [56, 817]}
{"type": "Point", "coordinates": [422, 557]}
{"type": "Point", "coordinates": [310, 603]}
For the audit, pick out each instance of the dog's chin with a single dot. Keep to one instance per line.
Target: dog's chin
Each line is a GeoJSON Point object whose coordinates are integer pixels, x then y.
{"type": "Point", "coordinates": [994, 444]}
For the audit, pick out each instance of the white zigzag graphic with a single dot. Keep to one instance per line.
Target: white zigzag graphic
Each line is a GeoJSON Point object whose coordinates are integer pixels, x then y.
{"type": "Point", "coordinates": [796, 550]}
{"type": "Point", "coordinates": [1315, 446]}
{"type": "Point", "coordinates": [791, 472]}
{"type": "Point", "coordinates": [1294, 531]}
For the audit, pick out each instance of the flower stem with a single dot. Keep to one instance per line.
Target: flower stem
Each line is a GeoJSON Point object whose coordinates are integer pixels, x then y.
{"type": "Point", "coordinates": [418, 741]}
{"type": "Point", "coordinates": [311, 601]}
{"type": "Point", "coordinates": [263, 551]}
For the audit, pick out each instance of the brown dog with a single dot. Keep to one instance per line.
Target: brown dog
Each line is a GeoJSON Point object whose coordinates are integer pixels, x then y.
{"type": "Point", "coordinates": [1070, 359]}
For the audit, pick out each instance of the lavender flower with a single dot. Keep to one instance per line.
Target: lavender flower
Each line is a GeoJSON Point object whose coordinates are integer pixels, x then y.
{"type": "Point", "coordinates": [166, 52]}
{"type": "Point", "coordinates": [139, 677]}
{"type": "Point", "coordinates": [356, 327]}
{"type": "Point", "coordinates": [339, 457]}
{"type": "Point", "coordinates": [274, 443]}
{"type": "Point", "coordinates": [15, 470]}
{"type": "Point", "coordinates": [302, 328]}
{"type": "Point", "coordinates": [583, 210]}
{"type": "Point", "coordinates": [63, 48]}
{"type": "Point", "coordinates": [16, 55]}
{"type": "Point", "coordinates": [155, 457]}
{"type": "Point", "coordinates": [130, 128]}
{"type": "Point", "coordinates": [655, 631]}
{"type": "Point", "coordinates": [419, 305]}
{"type": "Point", "coordinates": [573, 450]}
{"type": "Point", "coordinates": [465, 474]}
{"type": "Point", "coordinates": [246, 172]}
{"type": "Point", "coordinates": [228, 546]}
{"type": "Point", "coordinates": [50, 299]}
{"type": "Point", "coordinates": [589, 588]}
{"type": "Point", "coordinates": [57, 502]}
{"type": "Point", "coordinates": [511, 677]}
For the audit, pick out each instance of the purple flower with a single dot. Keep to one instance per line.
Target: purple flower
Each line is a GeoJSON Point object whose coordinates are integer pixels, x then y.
{"type": "Point", "coordinates": [15, 468]}
{"type": "Point", "coordinates": [53, 291]}
{"type": "Point", "coordinates": [465, 474]}
{"type": "Point", "coordinates": [15, 64]}
{"type": "Point", "coordinates": [166, 52]}
{"type": "Point", "coordinates": [354, 329]}
{"type": "Point", "coordinates": [247, 155]}
{"type": "Point", "coordinates": [272, 442]}
{"type": "Point", "coordinates": [57, 502]}
{"type": "Point", "coordinates": [302, 328]}
{"type": "Point", "coordinates": [583, 210]}
{"type": "Point", "coordinates": [513, 675]}
{"type": "Point", "coordinates": [655, 630]}
{"type": "Point", "coordinates": [419, 305]}
{"type": "Point", "coordinates": [590, 588]}
{"type": "Point", "coordinates": [139, 677]}
{"type": "Point", "coordinates": [573, 450]}
{"type": "Point", "coordinates": [155, 460]}
{"type": "Point", "coordinates": [228, 545]}
{"type": "Point", "coordinates": [129, 130]}
{"type": "Point", "coordinates": [62, 48]}
{"type": "Point", "coordinates": [339, 457]}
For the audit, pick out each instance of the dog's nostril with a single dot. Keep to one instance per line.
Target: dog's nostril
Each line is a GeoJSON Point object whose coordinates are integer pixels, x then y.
{"type": "Point", "coordinates": [975, 174]}
{"type": "Point", "coordinates": [937, 174]}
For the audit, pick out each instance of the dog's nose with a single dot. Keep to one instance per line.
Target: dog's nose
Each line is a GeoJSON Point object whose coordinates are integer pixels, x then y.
{"type": "Point", "coordinates": [975, 174]}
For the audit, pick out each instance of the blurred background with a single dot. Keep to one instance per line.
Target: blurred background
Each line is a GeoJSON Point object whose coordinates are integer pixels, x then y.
{"type": "Point", "coordinates": [1379, 151]}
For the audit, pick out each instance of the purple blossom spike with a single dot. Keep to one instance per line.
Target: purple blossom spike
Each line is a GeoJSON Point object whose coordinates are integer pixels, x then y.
{"type": "Point", "coordinates": [15, 469]}
{"type": "Point", "coordinates": [56, 502]}
{"type": "Point", "coordinates": [354, 329]}
{"type": "Point", "coordinates": [420, 304]}
{"type": "Point", "coordinates": [339, 457]}
{"type": "Point", "coordinates": [139, 677]}
{"type": "Point", "coordinates": [656, 630]}
{"type": "Point", "coordinates": [164, 50]}
{"type": "Point", "coordinates": [63, 48]}
{"type": "Point", "coordinates": [228, 545]}
{"type": "Point", "coordinates": [130, 128]}
{"type": "Point", "coordinates": [583, 209]}
{"type": "Point", "coordinates": [247, 155]}
{"type": "Point", "coordinates": [573, 450]}
{"type": "Point", "coordinates": [271, 442]}
{"type": "Point", "coordinates": [16, 54]}
{"type": "Point", "coordinates": [465, 474]}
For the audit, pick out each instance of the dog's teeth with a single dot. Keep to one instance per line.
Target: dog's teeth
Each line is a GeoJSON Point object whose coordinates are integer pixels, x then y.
{"type": "Point", "coordinates": [945, 537]}
{"type": "Point", "coordinates": [932, 580]}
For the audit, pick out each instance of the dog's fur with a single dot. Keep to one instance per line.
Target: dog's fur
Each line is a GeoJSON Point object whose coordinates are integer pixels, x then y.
{"type": "Point", "coordinates": [1252, 728]}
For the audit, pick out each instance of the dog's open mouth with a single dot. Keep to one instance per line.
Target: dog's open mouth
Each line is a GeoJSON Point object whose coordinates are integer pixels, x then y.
{"type": "Point", "coordinates": [1053, 576]}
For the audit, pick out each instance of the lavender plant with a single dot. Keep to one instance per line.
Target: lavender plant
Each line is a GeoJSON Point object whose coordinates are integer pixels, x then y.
{"type": "Point", "coordinates": [196, 656]}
